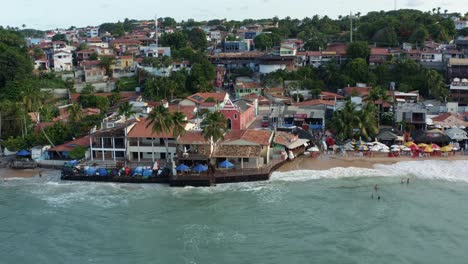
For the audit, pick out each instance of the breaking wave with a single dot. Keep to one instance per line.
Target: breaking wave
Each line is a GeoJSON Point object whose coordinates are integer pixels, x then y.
{"type": "Point", "coordinates": [456, 171]}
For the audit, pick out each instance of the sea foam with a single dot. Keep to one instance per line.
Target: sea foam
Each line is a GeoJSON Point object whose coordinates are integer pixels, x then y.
{"type": "Point", "coordinates": [456, 170]}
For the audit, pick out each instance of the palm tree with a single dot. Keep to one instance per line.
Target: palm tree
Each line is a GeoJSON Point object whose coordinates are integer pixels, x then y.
{"type": "Point", "coordinates": [367, 122]}
{"type": "Point", "coordinates": [378, 94]}
{"type": "Point", "coordinates": [75, 113]}
{"type": "Point", "coordinates": [179, 121]}
{"type": "Point", "coordinates": [31, 98]}
{"type": "Point", "coordinates": [162, 123]}
{"type": "Point", "coordinates": [125, 110]}
{"type": "Point", "coordinates": [343, 121]}
{"type": "Point", "coordinates": [215, 127]}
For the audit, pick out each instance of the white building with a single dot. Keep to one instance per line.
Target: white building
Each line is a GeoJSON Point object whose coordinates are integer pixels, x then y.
{"type": "Point", "coordinates": [92, 32]}
{"type": "Point", "coordinates": [63, 60]}
{"type": "Point", "coordinates": [461, 24]}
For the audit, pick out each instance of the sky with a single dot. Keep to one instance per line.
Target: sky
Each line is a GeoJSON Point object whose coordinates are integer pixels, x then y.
{"type": "Point", "coordinates": [51, 14]}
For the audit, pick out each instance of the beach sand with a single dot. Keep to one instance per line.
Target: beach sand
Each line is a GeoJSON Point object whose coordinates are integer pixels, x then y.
{"type": "Point", "coordinates": [7, 173]}
{"type": "Point", "coordinates": [326, 162]}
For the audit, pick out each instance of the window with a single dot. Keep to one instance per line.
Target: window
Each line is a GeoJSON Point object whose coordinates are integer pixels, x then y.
{"type": "Point", "coordinates": [235, 116]}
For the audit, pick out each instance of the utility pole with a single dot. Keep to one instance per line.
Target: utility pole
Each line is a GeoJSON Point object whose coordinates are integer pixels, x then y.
{"type": "Point", "coordinates": [395, 5]}
{"type": "Point", "coordinates": [156, 29]}
{"type": "Point", "coordinates": [351, 17]}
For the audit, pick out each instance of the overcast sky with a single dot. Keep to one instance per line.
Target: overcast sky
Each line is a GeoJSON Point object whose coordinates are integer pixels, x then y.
{"type": "Point", "coordinates": [49, 14]}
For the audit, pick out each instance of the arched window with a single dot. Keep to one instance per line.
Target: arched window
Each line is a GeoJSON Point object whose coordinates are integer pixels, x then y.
{"type": "Point", "coordinates": [229, 123]}
{"type": "Point", "coordinates": [235, 116]}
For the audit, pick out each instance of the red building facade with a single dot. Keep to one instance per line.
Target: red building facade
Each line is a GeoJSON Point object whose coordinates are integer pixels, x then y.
{"type": "Point", "coordinates": [238, 117]}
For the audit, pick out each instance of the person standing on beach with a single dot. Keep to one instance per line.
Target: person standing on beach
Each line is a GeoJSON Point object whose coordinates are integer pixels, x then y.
{"type": "Point", "coordinates": [407, 181]}
{"type": "Point", "coordinates": [376, 187]}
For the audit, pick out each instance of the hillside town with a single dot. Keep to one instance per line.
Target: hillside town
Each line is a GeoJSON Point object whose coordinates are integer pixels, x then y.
{"type": "Point", "coordinates": [222, 94]}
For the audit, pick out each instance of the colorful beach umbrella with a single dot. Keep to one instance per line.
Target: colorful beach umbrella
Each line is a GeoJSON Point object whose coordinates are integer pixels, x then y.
{"type": "Point", "coordinates": [23, 152]}
{"type": "Point", "coordinates": [409, 143]}
{"type": "Point", "coordinates": [428, 149]}
{"type": "Point", "coordinates": [183, 167]}
{"type": "Point", "coordinates": [349, 146]}
{"type": "Point", "coordinates": [435, 147]}
{"type": "Point", "coordinates": [363, 148]}
{"type": "Point", "coordinates": [200, 168]}
{"type": "Point", "coordinates": [447, 148]}
{"type": "Point", "coordinates": [226, 165]}
{"type": "Point", "coordinates": [422, 145]}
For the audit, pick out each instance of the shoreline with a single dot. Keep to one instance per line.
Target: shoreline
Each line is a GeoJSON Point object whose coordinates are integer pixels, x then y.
{"type": "Point", "coordinates": [321, 163]}
{"type": "Point", "coordinates": [326, 162]}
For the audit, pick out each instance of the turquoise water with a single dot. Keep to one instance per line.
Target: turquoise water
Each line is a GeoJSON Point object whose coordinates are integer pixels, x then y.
{"type": "Point", "coordinates": [297, 217]}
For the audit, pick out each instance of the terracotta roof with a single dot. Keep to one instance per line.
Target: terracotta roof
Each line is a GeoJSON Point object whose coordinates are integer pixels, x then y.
{"type": "Point", "coordinates": [253, 96]}
{"type": "Point", "coordinates": [69, 146]}
{"type": "Point", "coordinates": [284, 138]}
{"type": "Point", "coordinates": [315, 102]}
{"type": "Point", "coordinates": [125, 57]}
{"type": "Point", "coordinates": [441, 117]}
{"type": "Point", "coordinates": [379, 51]}
{"type": "Point", "coordinates": [362, 91]}
{"type": "Point", "coordinates": [140, 130]}
{"type": "Point", "coordinates": [188, 111]}
{"type": "Point", "coordinates": [126, 96]}
{"type": "Point", "coordinates": [125, 41]}
{"type": "Point", "coordinates": [225, 55]}
{"type": "Point", "coordinates": [192, 138]}
{"type": "Point", "coordinates": [233, 151]}
{"type": "Point", "coordinates": [248, 85]}
{"type": "Point", "coordinates": [260, 137]}
{"type": "Point", "coordinates": [330, 95]}
{"type": "Point", "coordinates": [201, 97]}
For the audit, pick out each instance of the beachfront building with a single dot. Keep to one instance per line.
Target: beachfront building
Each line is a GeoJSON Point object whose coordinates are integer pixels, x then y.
{"type": "Point", "coordinates": [290, 143]}
{"type": "Point", "coordinates": [459, 91]}
{"type": "Point", "coordinates": [193, 148]}
{"type": "Point", "coordinates": [110, 144]}
{"type": "Point", "coordinates": [246, 149]}
{"type": "Point", "coordinates": [413, 114]}
{"type": "Point", "coordinates": [146, 146]}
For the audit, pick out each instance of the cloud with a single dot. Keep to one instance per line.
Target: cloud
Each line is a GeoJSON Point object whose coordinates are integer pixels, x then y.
{"type": "Point", "coordinates": [414, 3]}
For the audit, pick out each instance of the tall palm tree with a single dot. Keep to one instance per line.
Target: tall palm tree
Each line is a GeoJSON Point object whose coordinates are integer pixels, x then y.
{"type": "Point", "coordinates": [215, 127]}
{"type": "Point", "coordinates": [75, 113]}
{"type": "Point", "coordinates": [367, 121]}
{"type": "Point", "coordinates": [344, 120]}
{"type": "Point", "coordinates": [179, 121]}
{"type": "Point", "coordinates": [161, 122]}
{"type": "Point", "coordinates": [378, 94]}
{"type": "Point", "coordinates": [125, 110]}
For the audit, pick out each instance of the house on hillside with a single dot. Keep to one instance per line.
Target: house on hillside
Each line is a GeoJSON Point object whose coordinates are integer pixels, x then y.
{"type": "Point", "coordinates": [210, 101]}
{"type": "Point", "coordinates": [244, 88]}
{"type": "Point", "coordinates": [62, 60]}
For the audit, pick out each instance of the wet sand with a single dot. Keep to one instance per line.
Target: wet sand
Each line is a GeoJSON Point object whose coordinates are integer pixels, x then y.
{"type": "Point", "coordinates": [7, 173]}
{"type": "Point", "coordinates": [326, 162]}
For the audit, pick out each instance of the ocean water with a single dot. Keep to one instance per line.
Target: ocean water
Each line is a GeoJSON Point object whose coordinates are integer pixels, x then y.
{"type": "Point", "coordinates": [297, 217]}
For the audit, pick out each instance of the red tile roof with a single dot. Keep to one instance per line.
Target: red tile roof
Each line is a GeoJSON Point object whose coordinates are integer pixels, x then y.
{"type": "Point", "coordinates": [248, 85]}
{"type": "Point", "coordinates": [330, 95]}
{"type": "Point", "coordinates": [188, 111]}
{"type": "Point", "coordinates": [379, 51]}
{"type": "Point", "coordinates": [192, 137]}
{"type": "Point", "coordinates": [201, 97]}
{"type": "Point", "coordinates": [362, 91]}
{"type": "Point", "coordinates": [315, 102]}
{"type": "Point", "coordinates": [142, 130]}
{"type": "Point", "coordinates": [69, 146]}
{"type": "Point", "coordinates": [261, 137]}
{"type": "Point", "coordinates": [284, 138]}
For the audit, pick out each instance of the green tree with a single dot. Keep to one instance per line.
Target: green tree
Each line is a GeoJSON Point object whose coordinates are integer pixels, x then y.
{"type": "Point", "coordinates": [125, 110]}
{"type": "Point", "coordinates": [358, 70]}
{"type": "Point", "coordinates": [263, 42]}
{"type": "Point", "coordinates": [75, 113]}
{"type": "Point", "coordinates": [161, 122]}
{"type": "Point", "coordinates": [107, 62]}
{"type": "Point", "coordinates": [179, 121]}
{"type": "Point", "coordinates": [176, 40]}
{"type": "Point", "coordinates": [358, 49]}
{"type": "Point", "coordinates": [215, 126]}
{"type": "Point", "coordinates": [197, 38]}
{"type": "Point", "coordinates": [60, 37]}
{"type": "Point", "coordinates": [78, 152]}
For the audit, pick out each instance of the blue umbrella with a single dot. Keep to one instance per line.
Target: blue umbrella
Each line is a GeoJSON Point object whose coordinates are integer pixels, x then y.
{"type": "Point", "coordinates": [226, 164]}
{"type": "Point", "coordinates": [200, 168]}
{"type": "Point", "coordinates": [23, 152]}
{"type": "Point", "coordinates": [182, 167]}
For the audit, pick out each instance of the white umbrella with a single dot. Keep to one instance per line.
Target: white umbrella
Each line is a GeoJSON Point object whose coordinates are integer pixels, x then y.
{"type": "Point", "coordinates": [395, 149]}
{"type": "Point", "coordinates": [385, 151]}
{"type": "Point", "coordinates": [394, 146]}
{"type": "Point", "coordinates": [406, 149]}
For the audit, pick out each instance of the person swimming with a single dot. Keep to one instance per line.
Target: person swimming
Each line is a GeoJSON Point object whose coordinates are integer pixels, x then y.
{"type": "Point", "coordinates": [378, 197]}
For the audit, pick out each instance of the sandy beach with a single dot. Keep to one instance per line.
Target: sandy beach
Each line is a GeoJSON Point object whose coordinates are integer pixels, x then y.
{"type": "Point", "coordinates": [7, 173]}
{"type": "Point", "coordinates": [326, 162]}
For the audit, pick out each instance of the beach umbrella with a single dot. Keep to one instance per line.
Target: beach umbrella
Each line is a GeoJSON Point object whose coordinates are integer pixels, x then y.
{"type": "Point", "coordinates": [226, 164]}
{"type": "Point", "coordinates": [23, 152]}
{"type": "Point", "coordinates": [409, 143]}
{"type": "Point", "coordinates": [428, 149]}
{"type": "Point", "coordinates": [422, 145]}
{"type": "Point", "coordinates": [363, 148]}
{"type": "Point", "coordinates": [384, 150]}
{"type": "Point", "coordinates": [200, 168]}
{"type": "Point", "coordinates": [435, 147]}
{"type": "Point", "coordinates": [360, 143]}
{"type": "Point", "coordinates": [349, 146]}
{"type": "Point", "coordinates": [375, 148]}
{"type": "Point", "coordinates": [406, 149]}
{"type": "Point", "coordinates": [413, 147]}
{"type": "Point", "coordinates": [395, 146]}
{"type": "Point", "coordinates": [182, 167]}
